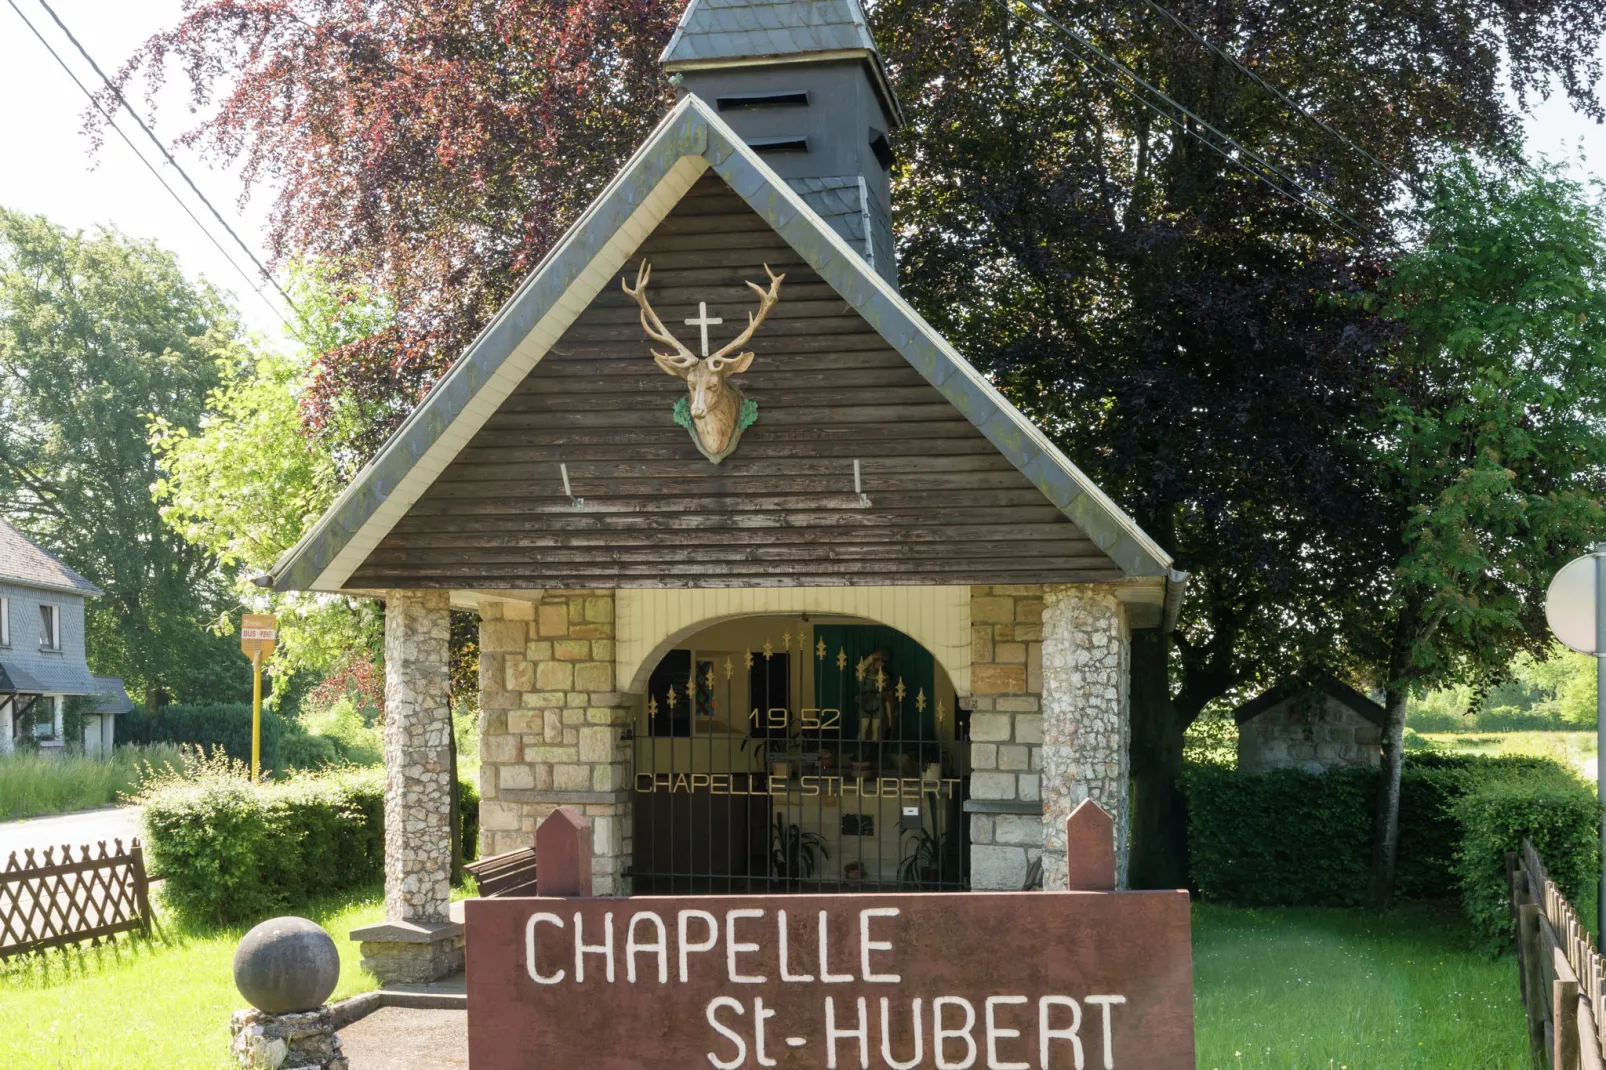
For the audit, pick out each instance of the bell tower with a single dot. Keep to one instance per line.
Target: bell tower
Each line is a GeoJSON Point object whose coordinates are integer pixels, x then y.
{"type": "Point", "coordinates": [801, 81]}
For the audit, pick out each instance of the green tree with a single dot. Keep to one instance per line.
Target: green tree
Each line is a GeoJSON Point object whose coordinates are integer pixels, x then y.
{"type": "Point", "coordinates": [249, 481]}
{"type": "Point", "coordinates": [99, 334]}
{"type": "Point", "coordinates": [1489, 449]}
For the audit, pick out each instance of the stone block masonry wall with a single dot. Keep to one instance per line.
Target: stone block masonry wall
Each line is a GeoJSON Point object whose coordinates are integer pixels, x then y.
{"type": "Point", "coordinates": [1309, 732]}
{"type": "Point", "coordinates": [551, 726]}
{"type": "Point", "coordinates": [418, 757]}
{"type": "Point", "coordinates": [1006, 733]}
{"type": "Point", "coordinates": [1087, 726]}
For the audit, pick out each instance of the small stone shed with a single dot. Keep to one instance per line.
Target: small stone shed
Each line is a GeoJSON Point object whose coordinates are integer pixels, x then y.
{"type": "Point", "coordinates": [1310, 726]}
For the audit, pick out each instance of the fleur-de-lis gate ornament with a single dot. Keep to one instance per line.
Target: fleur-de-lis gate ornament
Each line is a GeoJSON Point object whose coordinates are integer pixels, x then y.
{"type": "Point", "coordinates": [714, 411]}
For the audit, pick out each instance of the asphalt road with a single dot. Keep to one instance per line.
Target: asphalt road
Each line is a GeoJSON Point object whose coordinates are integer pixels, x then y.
{"type": "Point", "coordinates": [88, 827]}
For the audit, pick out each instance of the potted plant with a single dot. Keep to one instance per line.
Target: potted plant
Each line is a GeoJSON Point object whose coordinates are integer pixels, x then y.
{"type": "Point", "coordinates": [793, 852]}
{"type": "Point", "coordinates": [922, 861]}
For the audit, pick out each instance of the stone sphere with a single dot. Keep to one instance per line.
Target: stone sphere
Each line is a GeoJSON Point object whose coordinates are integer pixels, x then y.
{"type": "Point", "coordinates": [286, 966]}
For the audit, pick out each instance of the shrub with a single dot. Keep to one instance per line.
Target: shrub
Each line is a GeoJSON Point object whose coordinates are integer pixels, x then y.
{"type": "Point", "coordinates": [232, 852]}
{"type": "Point", "coordinates": [468, 812]}
{"type": "Point", "coordinates": [298, 750]}
{"type": "Point", "coordinates": [211, 727]}
{"type": "Point", "coordinates": [352, 731]}
{"type": "Point", "coordinates": [1290, 838]}
{"type": "Point", "coordinates": [1555, 810]}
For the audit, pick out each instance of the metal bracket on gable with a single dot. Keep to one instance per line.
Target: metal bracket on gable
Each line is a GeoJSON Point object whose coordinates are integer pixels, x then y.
{"type": "Point", "coordinates": [858, 484]}
{"type": "Point", "coordinates": [578, 503]}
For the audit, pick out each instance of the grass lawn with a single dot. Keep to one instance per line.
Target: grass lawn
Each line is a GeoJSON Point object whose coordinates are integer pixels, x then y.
{"type": "Point", "coordinates": [1575, 749]}
{"type": "Point", "coordinates": [1284, 989]}
{"type": "Point", "coordinates": [32, 784]}
{"type": "Point", "coordinates": [1328, 989]}
{"type": "Point", "coordinates": [133, 1006]}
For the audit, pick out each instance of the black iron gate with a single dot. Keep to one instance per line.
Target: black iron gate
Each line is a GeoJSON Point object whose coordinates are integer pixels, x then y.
{"type": "Point", "coordinates": [808, 757]}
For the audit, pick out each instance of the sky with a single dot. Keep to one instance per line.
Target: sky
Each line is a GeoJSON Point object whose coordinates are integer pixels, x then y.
{"type": "Point", "coordinates": [46, 164]}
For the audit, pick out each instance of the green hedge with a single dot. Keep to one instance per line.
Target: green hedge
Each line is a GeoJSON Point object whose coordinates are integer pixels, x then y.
{"type": "Point", "coordinates": [222, 726]}
{"type": "Point", "coordinates": [233, 853]}
{"type": "Point", "coordinates": [1290, 838]}
{"type": "Point", "coordinates": [1554, 810]}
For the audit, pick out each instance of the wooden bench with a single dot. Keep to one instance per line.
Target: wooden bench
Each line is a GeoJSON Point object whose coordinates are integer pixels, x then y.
{"type": "Point", "coordinates": [509, 874]}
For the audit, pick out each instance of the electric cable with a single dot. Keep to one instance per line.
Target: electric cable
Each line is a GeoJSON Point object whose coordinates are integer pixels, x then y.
{"type": "Point", "coordinates": [255, 287]}
{"type": "Point", "coordinates": [1279, 94]}
{"type": "Point", "coordinates": [1361, 231]}
{"type": "Point", "coordinates": [117, 93]}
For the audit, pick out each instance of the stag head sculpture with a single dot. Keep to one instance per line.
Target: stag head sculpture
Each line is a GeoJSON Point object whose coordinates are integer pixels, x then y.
{"type": "Point", "coordinates": [714, 410]}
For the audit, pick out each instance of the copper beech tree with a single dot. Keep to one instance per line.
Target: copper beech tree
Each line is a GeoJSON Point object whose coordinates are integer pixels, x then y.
{"type": "Point", "coordinates": [428, 152]}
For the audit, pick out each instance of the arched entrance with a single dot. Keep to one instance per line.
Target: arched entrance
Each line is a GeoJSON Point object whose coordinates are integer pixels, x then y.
{"type": "Point", "coordinates": [799, 754]}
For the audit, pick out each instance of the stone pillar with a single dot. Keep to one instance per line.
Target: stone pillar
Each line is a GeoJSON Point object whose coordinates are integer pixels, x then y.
{"type": "Point", "coordinates": [8, 708]}
{"type": "Point", "coordinates": [108, 734]}
{"type": "Point", "coordinates": [416, 942]}
{"type": "Point", "coordinates": [1087, 727]}
{"type": "Point", "coordinates": [552, 727]}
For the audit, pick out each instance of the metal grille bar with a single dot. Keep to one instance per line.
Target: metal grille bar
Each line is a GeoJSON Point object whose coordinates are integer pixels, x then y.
{"type": "Point", "coordinates": [783, 755]}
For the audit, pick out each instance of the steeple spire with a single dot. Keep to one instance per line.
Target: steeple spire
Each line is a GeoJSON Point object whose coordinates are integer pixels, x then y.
{"type": "Point", "coordinates": [802, 82]}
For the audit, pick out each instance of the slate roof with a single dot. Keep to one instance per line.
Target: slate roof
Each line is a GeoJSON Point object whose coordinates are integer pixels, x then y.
{"type": "Point", "coordinates": [111, 696]}
{"type": "Point", "coordinates": [691, 140]}
{"type": "Point", "coordinates": [25, 562]}
{"type": "Point", "coordinates": [741, 29]}
{"type": "Point", "coordinates": [61, 677]}
{"type": "Point", "coordinates": [712, 32]}
{"type": "Point", "coordinates": [1328, 685]}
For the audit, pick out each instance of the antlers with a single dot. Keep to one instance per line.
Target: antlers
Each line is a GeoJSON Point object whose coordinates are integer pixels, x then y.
{"type": "Point", "coordinates": [683, 358]}
{"type": "Point", "coordinates": [766, 301]}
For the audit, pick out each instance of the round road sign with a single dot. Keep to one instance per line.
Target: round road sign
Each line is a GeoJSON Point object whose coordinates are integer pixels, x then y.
{"type": "Point", "coordinates": [1570, 604]}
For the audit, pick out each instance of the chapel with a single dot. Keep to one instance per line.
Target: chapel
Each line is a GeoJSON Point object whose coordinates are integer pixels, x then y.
{"type": "Point", "coordinates": [773, 586]}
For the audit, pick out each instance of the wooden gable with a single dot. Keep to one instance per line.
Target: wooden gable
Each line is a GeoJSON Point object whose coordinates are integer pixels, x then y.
{"type": "Point", "coordinates": [945, 506]}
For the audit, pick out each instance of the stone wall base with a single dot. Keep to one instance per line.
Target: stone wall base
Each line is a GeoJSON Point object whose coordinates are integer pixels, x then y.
{"type": "Point", "coordinates": [411, 952]}
{"type": "Point", "coordinates": [286, 1041]}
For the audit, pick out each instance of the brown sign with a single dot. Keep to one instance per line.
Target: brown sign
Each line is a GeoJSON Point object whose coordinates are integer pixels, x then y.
{"type": "Point", "coordinates": [259, 633]}
{"type": "Point", "coordinates": [1001, 981]}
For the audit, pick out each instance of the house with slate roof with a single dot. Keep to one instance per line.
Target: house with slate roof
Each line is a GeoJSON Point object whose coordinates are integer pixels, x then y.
{"type": "Point", "coordinates": [774, 587]}
{"type": "Point", "coordinates": [42, 662]}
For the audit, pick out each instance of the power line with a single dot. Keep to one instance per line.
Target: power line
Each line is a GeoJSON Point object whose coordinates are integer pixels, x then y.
{"type": "Point", "coordinates": [224, 223]}
{"type": "Point", "coordinates": [1284, 97]}
{"type": "Point", "coordinates": [255, 287]}
{"type": "Point", "coordinates": [1305, 197]}
{"type": "Point", "coordinates": [1360, 232]}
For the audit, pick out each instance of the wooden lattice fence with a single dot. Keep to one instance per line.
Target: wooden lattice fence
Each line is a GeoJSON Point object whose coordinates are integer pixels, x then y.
{"type": "Point", "coordinates": [1562, 974]}
{"type": "Point", "coordinates": [46, 902]}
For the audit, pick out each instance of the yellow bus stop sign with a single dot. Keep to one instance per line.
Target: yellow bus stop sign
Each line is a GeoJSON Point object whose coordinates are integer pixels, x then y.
{"type": "Point", "coordinates": [258, 634]}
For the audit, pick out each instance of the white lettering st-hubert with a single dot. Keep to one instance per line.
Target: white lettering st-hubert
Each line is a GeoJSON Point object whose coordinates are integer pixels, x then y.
{"type": "Point", "coordinates": [843, 954]}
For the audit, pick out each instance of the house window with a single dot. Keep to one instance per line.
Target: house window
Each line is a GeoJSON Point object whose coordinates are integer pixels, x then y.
{"type": "Point", "coordinates": [44, 717]}
{"type": "Point", "coordinates": [50, 627]}
{"type": "Point", "coordinates": [5, 622]}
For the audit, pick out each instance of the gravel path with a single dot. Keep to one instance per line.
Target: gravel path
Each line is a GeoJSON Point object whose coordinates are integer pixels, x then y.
{"type": "Point", "coordinates": [87, 827]}
{"type": "Point", "coordinates": [392, 1038]}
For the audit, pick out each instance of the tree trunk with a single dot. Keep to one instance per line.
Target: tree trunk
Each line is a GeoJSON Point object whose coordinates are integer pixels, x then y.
{"type": "Point", "coordinates": [1158, 856]}
{"type": "Point", "coordinates": [1386, 829]}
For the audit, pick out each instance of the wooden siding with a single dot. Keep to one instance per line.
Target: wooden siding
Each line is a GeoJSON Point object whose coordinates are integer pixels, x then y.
{"type": "Point", "coordinates": [946, 507]}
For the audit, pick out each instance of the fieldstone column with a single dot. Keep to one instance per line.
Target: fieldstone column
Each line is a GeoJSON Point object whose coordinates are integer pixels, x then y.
{"type": "Point", "coordinates": [1087, 726]}
{"type": "Point", "coordinates": [417, 941]}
